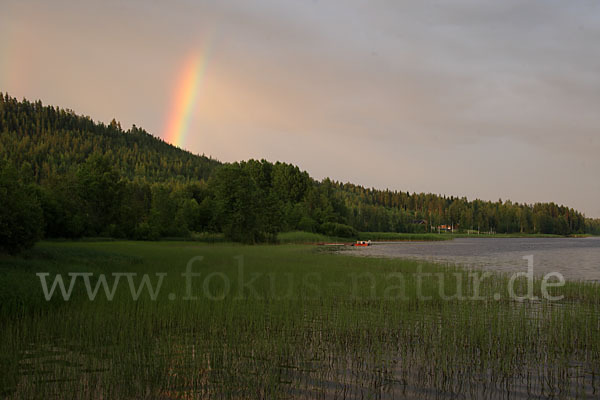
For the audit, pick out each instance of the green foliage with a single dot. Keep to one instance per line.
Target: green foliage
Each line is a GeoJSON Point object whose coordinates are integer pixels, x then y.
{"type": "Point", "coordinates": [339, 230]}
{"type": "Point", "coordinates": [21, 220]}
{"type": "Point", "coordinates": [243, 210]}
{"type": "Point", "coordinates": [99, 189]}
{"type": "Point", "coordinates": [290, 183]}
{"type": "Point", "coordinates": [53, 140]}
{"type": "Point", "coordinates": [394, 236]}
{"type": "Point", "coordinates": [393, 211]}
{"type": "Point", "coordinates": [307, 224]}
{"type": "Point", "coordinates": [92, 179]}
{"type": "Point", "coordinates": [307, 238]}
{"type": "Point", "coordinates": [593, 226]}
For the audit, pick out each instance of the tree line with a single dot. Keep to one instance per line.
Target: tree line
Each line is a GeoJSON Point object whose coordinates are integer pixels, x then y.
{"type": "Point", "coordinates": [377, 210]}
{"type": "Point", "coordinates": [66, 176]}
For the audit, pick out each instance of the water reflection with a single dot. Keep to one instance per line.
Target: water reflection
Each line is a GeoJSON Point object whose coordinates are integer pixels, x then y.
{"type": "Point", "coordinates": [575, 258]}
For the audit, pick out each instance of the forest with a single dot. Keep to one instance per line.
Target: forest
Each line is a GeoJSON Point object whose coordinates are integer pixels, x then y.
{"type": "Point", "coordinates": [63, 175]}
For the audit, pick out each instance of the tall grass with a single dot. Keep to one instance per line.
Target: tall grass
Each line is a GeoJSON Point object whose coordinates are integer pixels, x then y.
{"type": "Point", "coordinates": [309, 237]}
{"type": "Point", "coordinates": [301, 237]}
{"type": "Point", "coordinates": [313, 325]}
{"type": "Point", "coordinates": [393, 236]}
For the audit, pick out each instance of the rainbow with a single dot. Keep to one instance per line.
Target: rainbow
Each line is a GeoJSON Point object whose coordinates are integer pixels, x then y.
{"type": "Point", "coordinates": [184, 98]}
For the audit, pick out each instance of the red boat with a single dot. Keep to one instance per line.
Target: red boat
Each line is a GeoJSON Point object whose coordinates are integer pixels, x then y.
{"type": "Point", "coordinates": [362, 243]}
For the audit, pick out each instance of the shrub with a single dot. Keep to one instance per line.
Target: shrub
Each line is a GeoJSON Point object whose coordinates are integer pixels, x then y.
{"type": "Point", "coordinates": [307, 224]}
{"type": "Point", "coordinates": [339, 230]}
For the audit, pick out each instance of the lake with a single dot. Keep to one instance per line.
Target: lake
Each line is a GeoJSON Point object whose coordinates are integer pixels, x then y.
{"type": "Point", "coordinates": [575, 258]}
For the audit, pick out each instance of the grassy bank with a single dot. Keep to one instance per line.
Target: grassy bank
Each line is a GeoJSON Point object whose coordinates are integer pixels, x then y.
{"type": "Point", "coordinates": [393, 236]}
{"type": "Point", "coordinates": [309, 237]}
{"type": "Point", "coordinates": [300, 237]}
{"type": "Point", "coordinates": [284, 321]}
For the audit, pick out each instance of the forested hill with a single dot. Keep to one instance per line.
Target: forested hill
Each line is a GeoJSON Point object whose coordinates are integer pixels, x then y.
{"type": "Point", "coordinates": [54, 140]}
{"type": "Point", "coordinates": [64, 175]}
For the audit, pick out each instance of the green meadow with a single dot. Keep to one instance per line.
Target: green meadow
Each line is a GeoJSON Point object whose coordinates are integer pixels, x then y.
{"type": "Point", "coordinates": [283, 321]}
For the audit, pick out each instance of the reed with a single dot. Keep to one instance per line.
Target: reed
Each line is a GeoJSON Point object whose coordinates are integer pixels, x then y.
{"type": "Point", "coordinates": [313, 324]}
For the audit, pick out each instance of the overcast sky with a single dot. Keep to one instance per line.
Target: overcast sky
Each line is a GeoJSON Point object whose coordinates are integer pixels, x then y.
{"type": "Point", "coordinates": [484, 99]}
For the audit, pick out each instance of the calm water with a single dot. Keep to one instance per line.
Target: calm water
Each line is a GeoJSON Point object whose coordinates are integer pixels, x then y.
{"type": "Point", "coordinates": [575, 258]}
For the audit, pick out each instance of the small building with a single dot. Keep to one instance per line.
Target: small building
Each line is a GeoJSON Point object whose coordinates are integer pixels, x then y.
{"type": "Point", "coordinates": [447, 228]}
